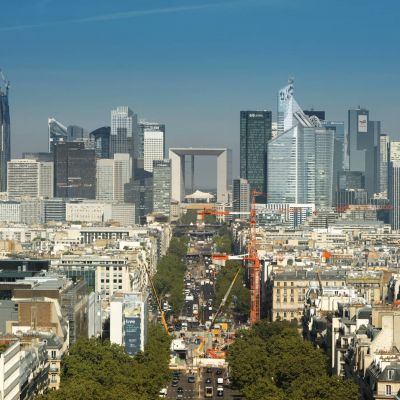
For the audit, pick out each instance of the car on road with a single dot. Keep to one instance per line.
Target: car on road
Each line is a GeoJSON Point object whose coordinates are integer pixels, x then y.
{"type": "Point", "coordinates": [191, 379]}
{"type": "Point", "coordinates": [209, 370]}
{"type": "Point", "coordinates": [175, 382]}
{"type": "Point", "coordinates": [179, 390]}
{"type": "Point", "coordinates": [208, 380]}
{"type": "Point", "coordinates": [219, 371]}
{"type": "Point", "coordinates": [220, 391]}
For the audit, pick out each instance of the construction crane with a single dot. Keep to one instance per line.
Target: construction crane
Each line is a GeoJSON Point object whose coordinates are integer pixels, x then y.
{"type": "Point", "coordinates": [159, 305]}
{"type": "Point", "coordinates": [252, 257]}
{"type": "Point", "coordinates": [5, 81]}
{"type": "Point", "coordinates": [225, 298]}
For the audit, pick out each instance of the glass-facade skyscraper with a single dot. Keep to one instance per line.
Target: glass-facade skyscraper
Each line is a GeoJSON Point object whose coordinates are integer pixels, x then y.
{"type": "Point", "coordinates": [363, 147]}
{"type": "Point", "coordinates": [123, 131]}
{"type": "Point", "coordinates": [5, 138]}
{"type": "Point", "coordinates": [301, 157]}
{"type": "Point", "coordinates": [255, 132]}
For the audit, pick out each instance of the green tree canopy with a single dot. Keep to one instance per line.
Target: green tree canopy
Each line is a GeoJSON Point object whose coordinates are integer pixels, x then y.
{"type": "Point", "coordinates": [97, 370]}
{"type": "Point", "coordinates": [272, 361]}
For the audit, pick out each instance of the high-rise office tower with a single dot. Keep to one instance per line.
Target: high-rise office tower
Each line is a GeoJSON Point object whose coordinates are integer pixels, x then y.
{"type": "Point", "coordinates": [30, 178]}
{"type": "Point", "coordinates": [350, 180]}
{"type": "Point", "coordinates": [139, 191]}
{"type": "Point", "coordinates": [58, 133]}
{"type": "Point", "coordinates": [287, 107]}
{"type": "Point", "coordinates": [363, 147]}
{"type": "Point", "coordinates": [122, 174]}
{"type": "Point", "coordinates": [255, 132]}
{"type": "Point", "coordinates": [241, 198]}
{"type": "Point", "coordinates": [101, 138]}
{"type": "Point", "coordinates": [384, 148]}
{"type": "Point", "coordinates": [123, 131]}
{"type": "Point", "coordinates": [111, 176]}
{"type": "Point", "coordinates": [301, 158]}
{"type": "Point", "coordinates": [145, 126]}
{"type": "Point", "coordinates": [75, 132]}
{"type": "Point", "coordinates": [5, 138]}
{"type": "Point", "coordinates": [74, 171]}
{"type": "Point", "coordinates": [154, 148]}
{"type": "Point", "coordinates": [394, 184]}
{"type": "Point", "coordinates": [162, 187]}
{"type": "Point", "coordinates": [105, 179]}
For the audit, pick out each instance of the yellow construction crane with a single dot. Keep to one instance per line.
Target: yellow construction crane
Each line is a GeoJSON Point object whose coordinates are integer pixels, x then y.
{"type": "Point", "coordinates": [153, 288]}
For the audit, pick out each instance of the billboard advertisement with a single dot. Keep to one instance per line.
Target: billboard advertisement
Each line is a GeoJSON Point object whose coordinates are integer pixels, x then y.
{"type": "Point", "coordinates": [133, 331]}
{"type": "Point", "coordinates": [363, 123]}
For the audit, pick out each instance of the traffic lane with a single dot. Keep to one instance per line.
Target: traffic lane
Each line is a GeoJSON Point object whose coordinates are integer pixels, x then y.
{"type": "Point", "coordinates": [190, 390]}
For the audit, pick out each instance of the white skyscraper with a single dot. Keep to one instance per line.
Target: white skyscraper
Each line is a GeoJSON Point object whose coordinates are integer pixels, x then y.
{"type": "Point", "coordinates": [30, 178]}
{"type": "Point", "coordinates": [153, 148]}
{"type": "Point", "coordinates": [111, 175]}
{"type": "Point", "coordinates": [105, 179]}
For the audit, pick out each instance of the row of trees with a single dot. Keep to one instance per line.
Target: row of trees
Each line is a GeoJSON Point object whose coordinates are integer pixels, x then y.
{"type": "Point", "coordinates": [237, 306]}
{"type": "Point", "coordinates": [97, 370]}
{"type": "Point", "coordinates": [271, 361]}
{"type": "Point", "coordinates": [170, 274]}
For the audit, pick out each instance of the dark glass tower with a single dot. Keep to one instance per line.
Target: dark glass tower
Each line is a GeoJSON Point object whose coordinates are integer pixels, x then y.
{"type": "Point", "coordinates": [255, 132]}
{"type": "Point", "coordinates": [74, 171]}
{"type": "Point", "coordinates": [101, 137]}
{"type": "Point", "coordinates": [5, 141]}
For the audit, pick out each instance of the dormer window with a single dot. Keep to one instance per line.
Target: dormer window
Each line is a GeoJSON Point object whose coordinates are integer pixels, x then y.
{"type": "Point", "coordinates": [390, 374]}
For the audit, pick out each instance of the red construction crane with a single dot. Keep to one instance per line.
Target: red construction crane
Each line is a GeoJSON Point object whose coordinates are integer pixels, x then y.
{"type": "Point", "coordinates": [252, 257]}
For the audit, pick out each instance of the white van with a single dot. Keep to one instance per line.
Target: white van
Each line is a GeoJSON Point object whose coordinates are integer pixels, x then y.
{"type": "Point", "coordinates": [163, 393]}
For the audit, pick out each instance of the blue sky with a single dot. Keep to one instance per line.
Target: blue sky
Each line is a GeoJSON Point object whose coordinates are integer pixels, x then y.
{"type": "Point", "coordinates": [195, 64]}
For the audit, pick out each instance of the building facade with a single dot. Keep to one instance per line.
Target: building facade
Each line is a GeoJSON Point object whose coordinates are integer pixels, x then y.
{"type": "Point", "coordinates": [363, 141]}
{"type": "Point", "coordinates": [30, 178]}
{"type": "Point", "coordinates": [123, 131]}
{"type": "Point", "coordinates": [74, 171]}
{"type": "Point", "coordinates": [255, 132]}
{"type": "Point", "coordinates": [154, 148]}
{"type": "Point", "coordinates": [162, 187]}
{"type": "Point", "coordinates": [241, 198]}
{"type": "Point", "coordinates": [5, 136]}
{"type": "Point", "coordinates": [394, 185]}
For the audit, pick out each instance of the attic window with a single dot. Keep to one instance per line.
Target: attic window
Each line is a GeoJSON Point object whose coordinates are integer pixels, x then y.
{"type": "Point", "coordinates": [390, 374]}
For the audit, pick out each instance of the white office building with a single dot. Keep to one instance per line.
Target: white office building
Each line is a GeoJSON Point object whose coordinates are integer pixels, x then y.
{"type": "Point", "coordinates": [153, 148]}
{"type": "Point", "coordinates": [124, 130]}
{"type": "Point", "coordinates": [87, 211]}
{"type": "Point", "coordinates": [111, 176]}
{"type": "Point", "coordinates": [30, 178]}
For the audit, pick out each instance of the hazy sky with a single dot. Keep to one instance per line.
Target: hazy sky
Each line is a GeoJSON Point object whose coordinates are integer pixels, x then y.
{"type": "Point", "coordinates": [194, 65]}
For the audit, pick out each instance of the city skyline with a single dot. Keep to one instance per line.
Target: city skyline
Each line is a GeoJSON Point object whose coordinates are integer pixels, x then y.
{"type": "Point", "coordinates": [198, 76]}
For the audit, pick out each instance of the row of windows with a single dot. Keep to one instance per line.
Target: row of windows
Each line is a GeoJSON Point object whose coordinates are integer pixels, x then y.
{"type": "Point", "coordinates": [114, 281]}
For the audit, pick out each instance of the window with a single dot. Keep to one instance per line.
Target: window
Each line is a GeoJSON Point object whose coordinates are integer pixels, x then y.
{"type": "Point", "coordinates": [388, 389]}
{"type": "Point", "coordinates": [291, 284]}
{"type": "Point", "coordinates": [390, 374]}
{"type": "Point", "coordinates": [278, 284]}
{"type": "Point", "coordinates": [284, 283]}
{"type": "Point", "coordinates": [53, 354]}
{"type": "Point", "coordinates": [285, 299]}
{"type": "Point", "coordinates": [291, 291]}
